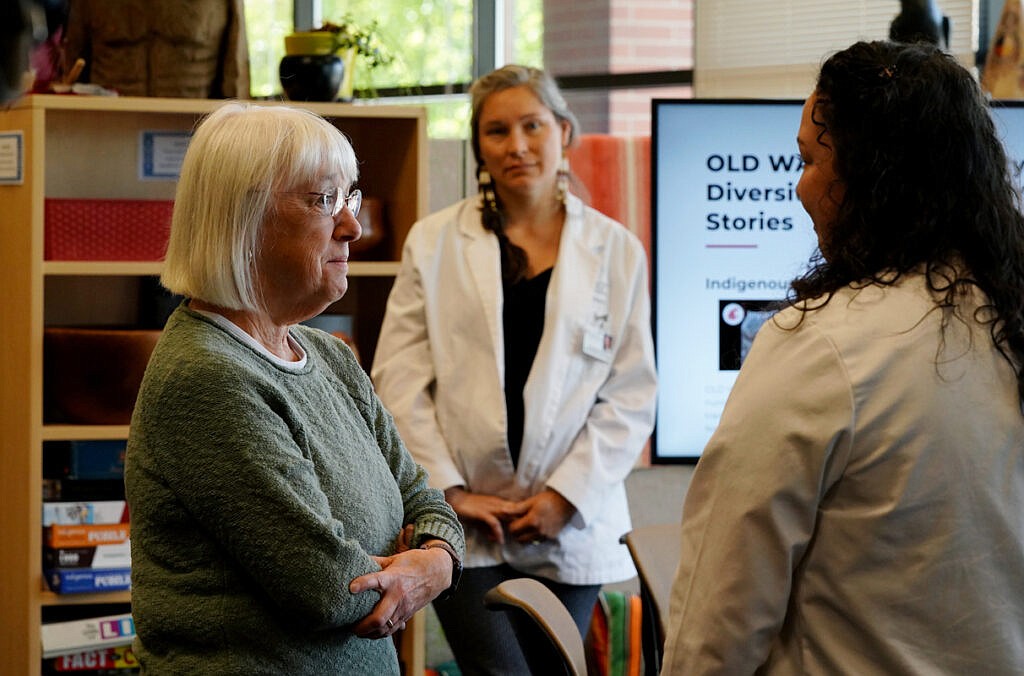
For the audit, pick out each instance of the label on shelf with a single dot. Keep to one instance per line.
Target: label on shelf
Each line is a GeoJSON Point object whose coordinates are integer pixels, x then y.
{"type": "Point", "coordinates": [161, 154]}
{"type": "Point", "coordinates": [12, 167]}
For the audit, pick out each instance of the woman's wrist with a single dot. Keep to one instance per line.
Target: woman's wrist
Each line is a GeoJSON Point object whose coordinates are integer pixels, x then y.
{"type": "Point", "coordinates": [456, 564]}
{"type": "Point", "coordinates": [454, 494]}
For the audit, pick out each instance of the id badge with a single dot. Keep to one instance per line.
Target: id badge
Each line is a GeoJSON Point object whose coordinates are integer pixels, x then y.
{"type": "Point", "coordinates": [598, 344]}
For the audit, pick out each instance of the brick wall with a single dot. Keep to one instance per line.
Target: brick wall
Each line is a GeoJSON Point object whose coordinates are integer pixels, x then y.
{"type": "Point", "coordinates": [618, 36]}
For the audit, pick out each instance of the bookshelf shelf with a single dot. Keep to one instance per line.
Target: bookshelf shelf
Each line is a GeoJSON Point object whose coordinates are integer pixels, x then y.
{"type": "Point", "coordinates": [84, 432]}
{"type": "Point", "coordinates": [132, 268]}
{"type": "Point", "coordinates": [48, 598]}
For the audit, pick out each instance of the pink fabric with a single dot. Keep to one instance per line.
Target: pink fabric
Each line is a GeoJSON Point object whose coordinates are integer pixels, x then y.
{"type": "Point", "coordinates": [599, 162]}
{"type": "Point", "coordinates": [613, 175]}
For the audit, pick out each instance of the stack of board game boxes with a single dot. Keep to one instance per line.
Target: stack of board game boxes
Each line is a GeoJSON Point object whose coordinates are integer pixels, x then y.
{"type": "Point", "coordinates": [86, 546]}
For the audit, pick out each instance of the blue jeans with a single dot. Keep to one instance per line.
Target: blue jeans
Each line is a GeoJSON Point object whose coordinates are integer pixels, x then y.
{"type": "Point", "coordinates": [482, 640]}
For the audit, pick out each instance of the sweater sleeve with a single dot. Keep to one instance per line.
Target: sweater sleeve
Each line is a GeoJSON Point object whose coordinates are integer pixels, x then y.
{"type": "Point", "coordinates": [424, 507]}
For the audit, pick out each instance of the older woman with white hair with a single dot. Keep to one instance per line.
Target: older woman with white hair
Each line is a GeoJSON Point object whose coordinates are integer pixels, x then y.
{"type": "Point", "coordinates": [278, 523]}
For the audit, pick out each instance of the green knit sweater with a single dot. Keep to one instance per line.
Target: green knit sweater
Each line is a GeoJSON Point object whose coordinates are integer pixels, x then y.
{"type": "Point", "coordinates": [256, 495]}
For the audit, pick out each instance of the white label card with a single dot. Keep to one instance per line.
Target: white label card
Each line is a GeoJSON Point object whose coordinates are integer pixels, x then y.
{"type": "Point", "coordinates": [12, 158]}
{"type": "Point", "coordinates": [161, 154]}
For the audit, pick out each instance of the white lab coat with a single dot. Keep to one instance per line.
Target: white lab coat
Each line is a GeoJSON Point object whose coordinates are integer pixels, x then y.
{"type": "Point", "coordinates": [860, 508]}
{"type": "Point", "coordinates": [589, 399]}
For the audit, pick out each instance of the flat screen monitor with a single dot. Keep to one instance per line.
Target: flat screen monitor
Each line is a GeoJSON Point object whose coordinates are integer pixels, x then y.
{"type": "Point", "coordinates": [729, 235]}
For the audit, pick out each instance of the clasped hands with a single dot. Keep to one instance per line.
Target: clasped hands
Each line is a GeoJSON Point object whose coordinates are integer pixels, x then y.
{"type": "Point", "coordinates": [412, 578]}
{"type": "Point", "coordinates": [407, 580]}
{"type": "Point", "coordinates": [538, 518]}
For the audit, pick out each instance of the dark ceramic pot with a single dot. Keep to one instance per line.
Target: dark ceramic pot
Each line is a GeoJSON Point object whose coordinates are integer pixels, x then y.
{"type": "Point", "coordinates": [371, 221]}
{"type": "Point", "coordinates": [311, 77]}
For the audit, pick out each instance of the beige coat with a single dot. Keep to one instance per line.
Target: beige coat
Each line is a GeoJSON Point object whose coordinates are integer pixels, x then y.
{"type": "Point", "coordinates": [174, 48]}
{"type": "Point", "coordinates": [860, 508]}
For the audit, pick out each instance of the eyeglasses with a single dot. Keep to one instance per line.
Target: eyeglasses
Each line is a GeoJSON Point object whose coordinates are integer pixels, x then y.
{"type": "Point", "coordinates": [330, 203]}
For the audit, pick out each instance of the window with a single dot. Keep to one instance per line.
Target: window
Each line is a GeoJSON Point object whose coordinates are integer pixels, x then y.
{"type": "Point", "coordinates": [610, 56]}
{"type": "Point", "coordinates": [432, 41]}
{"type": "Point", "coordinates": [267, 22]}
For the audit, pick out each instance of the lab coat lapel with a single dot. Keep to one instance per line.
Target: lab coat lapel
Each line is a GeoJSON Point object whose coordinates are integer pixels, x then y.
{"type": "Point", "coordinates": [573, 282]}
{"type": "Point", "coordinates": [482, 259]}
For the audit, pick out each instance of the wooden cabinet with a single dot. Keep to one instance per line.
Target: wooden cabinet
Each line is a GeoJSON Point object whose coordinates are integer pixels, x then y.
{"type": "Point", "coordinates": [88, 147]}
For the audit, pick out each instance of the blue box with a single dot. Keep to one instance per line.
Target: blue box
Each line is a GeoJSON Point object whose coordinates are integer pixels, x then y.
{"type": "Point", "coordinates": [97, 460]}
{"type": "Point", "coordinates": [84, 580]}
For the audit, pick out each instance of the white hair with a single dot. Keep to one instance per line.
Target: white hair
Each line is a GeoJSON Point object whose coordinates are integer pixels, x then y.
{"type": "Point", "coordinates": [239, 156]}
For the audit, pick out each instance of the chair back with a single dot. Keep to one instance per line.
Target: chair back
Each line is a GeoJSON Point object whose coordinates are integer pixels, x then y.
{"type": "Point", "coordinates": [546, 632]}
{"type": "Point", "coordinates": [656, 551]}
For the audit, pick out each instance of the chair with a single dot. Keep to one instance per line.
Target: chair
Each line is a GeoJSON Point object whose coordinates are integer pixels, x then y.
{"type": "Point", "coordinates": [543, 626]}
{"type": "Point", "coordinates": [656, 551]}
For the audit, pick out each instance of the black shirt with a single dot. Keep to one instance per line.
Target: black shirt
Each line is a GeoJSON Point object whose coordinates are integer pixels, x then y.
{"type": "Point", "coordinates": [523, 317]}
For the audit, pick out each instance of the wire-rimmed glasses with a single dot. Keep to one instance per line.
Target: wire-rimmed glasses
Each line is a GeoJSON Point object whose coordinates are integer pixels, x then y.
{"type": "Point", "coordinates": [329, 203]}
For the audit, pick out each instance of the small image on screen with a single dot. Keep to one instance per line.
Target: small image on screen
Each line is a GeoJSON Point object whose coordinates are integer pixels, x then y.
{"type": "Point", "coordinates": [738, 323]}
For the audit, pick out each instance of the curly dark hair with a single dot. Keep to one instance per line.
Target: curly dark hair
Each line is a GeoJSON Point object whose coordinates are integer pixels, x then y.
{"type": "Point", "coordinates": [927, 185]}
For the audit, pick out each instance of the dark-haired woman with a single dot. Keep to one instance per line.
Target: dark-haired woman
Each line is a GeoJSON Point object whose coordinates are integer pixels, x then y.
{"type": "Point", "coordinates": [860, 508]}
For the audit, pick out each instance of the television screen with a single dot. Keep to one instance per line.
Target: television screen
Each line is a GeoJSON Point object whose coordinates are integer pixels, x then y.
{"type": "Point", "coordinates": [729, 234]}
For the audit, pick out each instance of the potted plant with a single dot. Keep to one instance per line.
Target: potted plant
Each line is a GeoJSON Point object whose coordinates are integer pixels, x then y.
{"type": "Point", "coordinates": [347, 40]}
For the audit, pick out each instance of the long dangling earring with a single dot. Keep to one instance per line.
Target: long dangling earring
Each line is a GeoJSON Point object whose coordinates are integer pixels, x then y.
{"type": "Point", "coordinates": [487, 190]}
{"type": "Point", "coordinates": [562, 182]}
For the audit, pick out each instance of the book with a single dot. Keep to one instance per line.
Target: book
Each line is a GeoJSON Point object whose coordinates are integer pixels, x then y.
{"type": "Point", "coordinates": [97, 459]}
{"type": "Point", "coordinates": [84, 535]}
{"type": "Point", "coordinates": [85, 511]}
{"type": "Point", "coordinates": [85, 580]}
{"type": "Point", "coordinates": [117, 555]}
{"type": "Point", "coordinates": [120, 657]}
{"type": "Point", "coordinates": [86, 460]}
{"type": "Point", "coordinates": [62, 638]}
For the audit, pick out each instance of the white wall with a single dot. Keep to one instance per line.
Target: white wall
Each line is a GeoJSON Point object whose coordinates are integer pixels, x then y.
{"type": "Point", "coordinates": [772, 48]}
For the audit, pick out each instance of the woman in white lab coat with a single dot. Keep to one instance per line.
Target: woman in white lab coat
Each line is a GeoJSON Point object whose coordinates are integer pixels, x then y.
{"type": "Point", "coordinates": [860, 508]}
{"type": "Point", "coordinates": [516, 357]}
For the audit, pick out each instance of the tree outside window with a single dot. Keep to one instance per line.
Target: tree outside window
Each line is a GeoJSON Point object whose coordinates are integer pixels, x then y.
{"type": "Point", "coordinates": [432, 41]}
